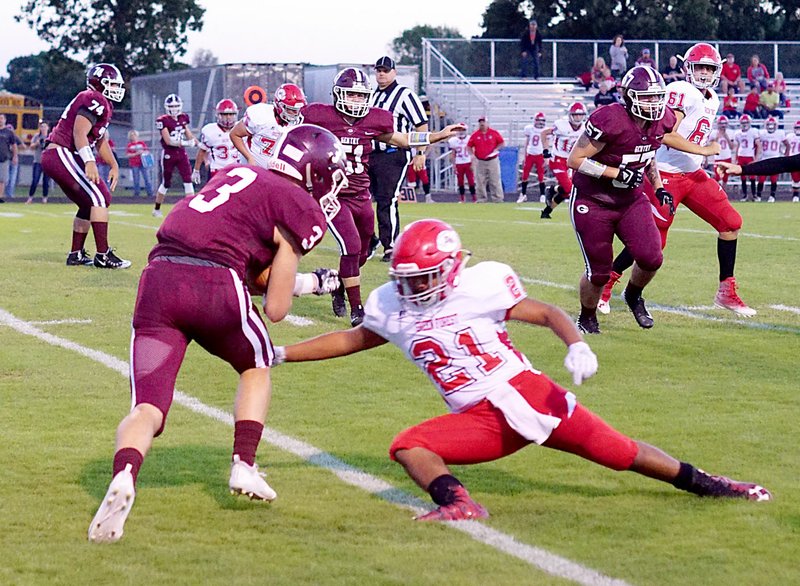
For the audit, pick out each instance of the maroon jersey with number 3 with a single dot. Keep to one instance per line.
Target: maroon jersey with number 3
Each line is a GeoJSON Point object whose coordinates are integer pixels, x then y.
{"type": "Point", "coordinates": [356, 138]}
{"type": "Point", "coordinates": [90, 104]}
{"type": "Point", "coordinates": [232, 221]}
{"type": "Point", "coordinates": [625, 142]}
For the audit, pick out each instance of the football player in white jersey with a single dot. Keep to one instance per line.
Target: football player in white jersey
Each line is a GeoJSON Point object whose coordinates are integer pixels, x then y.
{"type": "Point", "coordinates": [215, 141]}
{"type": "Point", "coordinates": [462, 161]}
{"type": "Point", "coordinates": [565, 132]}
{"type": "Point", "coordinates": [534, 157]}
{"type": "Point", "coordinates": [723, 138]}
{"type": "Point", "coordinates": [255, 135]}
{"type": "Point", "coordinates": [695, 103]}
{"type": "Point", "coordinates": [451, 322]}
{"type": "Point", "coordinates": [744, 141]}
{"type": "Point", "coordinates": [792, 143]}
{"type": "Point", "coordinates": [769, 146]}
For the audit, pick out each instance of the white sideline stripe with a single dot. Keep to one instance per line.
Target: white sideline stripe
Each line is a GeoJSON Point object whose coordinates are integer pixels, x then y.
{"type": "Point", "coordinates": [55, 322]}
{"type": "Point", "coordinates": [685, 311]}
{"type": "Point", "coordinates": [548, 562]}
{"type": "Point", "coordinates": [786, 308]}
{"type": "Point", "coordinates": [298, 321]}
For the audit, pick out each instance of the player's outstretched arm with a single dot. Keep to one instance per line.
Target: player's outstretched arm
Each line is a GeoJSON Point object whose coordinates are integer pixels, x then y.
{"type": "Point", "coordinates": [238, 134]}
{"type": "Point", "coordinates": [774, 166]}
{"type": "Point", "coordinates": [420, 139]}
{"type": "Point", "coordinates": [330, 345]}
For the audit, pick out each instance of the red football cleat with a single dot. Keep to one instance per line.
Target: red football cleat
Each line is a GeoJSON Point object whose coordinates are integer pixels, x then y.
{"type": "Point", "coordinates": [728, 298]}
{"type": "Point", "coordinates": [462, 509]}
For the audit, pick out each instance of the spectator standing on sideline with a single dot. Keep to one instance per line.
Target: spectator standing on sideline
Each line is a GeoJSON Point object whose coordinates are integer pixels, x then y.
{"type": "Point", "coordinates": [485, 144]}
{"type": "Point", "coordinates": [645, 59]}
{"type": "Point", "coordinates": [768, 101]}
{"type": "Point", "coordinates": [731, 75]}
{"type": "Point", "coordinates": [530, 51]}
{"type": "Point", "coordinates": [69, 160]}
{"type": "Point", "coordinates": [8, 153]}
{"type": "Point", "coordinates": [134, 151]}
{"type": "Point", "coordinates": [730, 105]}
{"type": "Point", "coordinates": [13, 167]}
{"type": "Point", "coordinates": [672, 71]}
{"type": "Point", "coordinates": [37, 146]}
{"type": "Point", "coordinates": [440, 313]}
{"type": "Point", "coordinates": [387, 165]}
{"type": "Point", "coordinates": [619, 57]}
{"type": "Point", "coordinates": [462, 160]}
{"type": "Point", "coordinates": [751, 103]}
{"type": "Point", "coordinates": [757, 74]}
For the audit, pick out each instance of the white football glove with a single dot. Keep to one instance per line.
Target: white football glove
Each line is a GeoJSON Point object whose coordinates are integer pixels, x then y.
{"type": "Point", "coordinates": [280, 355]}
{"type": "Point", "coordinates": [327, 281]}
{"type": "Point", "coordinates": [188, 142]}
{"type": "Point", "coordinates": [580, 361]}
{"type": "Point", "coordinates": [196, 177]}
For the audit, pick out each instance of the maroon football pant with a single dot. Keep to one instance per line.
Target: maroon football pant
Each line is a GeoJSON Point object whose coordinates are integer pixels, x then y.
{"type": "Point", "coordinates": [175, 159]}
{"type": "Point", "coordinates": [352, 228]}
{"type": "Point", "coordinates": [178, 303]}
{"type": "Point", "coordinates": [67, 170]}
{"type": "Point", "coordinates": [596, 224]}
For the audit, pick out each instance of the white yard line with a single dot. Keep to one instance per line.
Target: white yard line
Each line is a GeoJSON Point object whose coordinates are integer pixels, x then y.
{"type": "Point", "coordinates": [56, 322]}
{"type": "Point", "coordinates": [542, 559]}
{"type": "Point", "coordinates": [786, 308]}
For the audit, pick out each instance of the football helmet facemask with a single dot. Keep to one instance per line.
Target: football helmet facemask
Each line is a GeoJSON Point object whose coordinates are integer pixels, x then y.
{"type": "Point", "coordinates": [744, 122]}
{"type": "Point", "coordinates": [702, 54]}
{"type": "Point", "coordinates": [577, 114]}
{"type": "Point", "coordinates": [227, 112]}
{"type": "Point", "coordinates": [539, 121]}
{"type": "Point", "coordinates": [352, 92]}
{"type": "Point", "coordinates": [289, 100]}
{"type": "Point", "coordinates": [106, 79]}
{"type": "Point", "coordinates": [644, 93]}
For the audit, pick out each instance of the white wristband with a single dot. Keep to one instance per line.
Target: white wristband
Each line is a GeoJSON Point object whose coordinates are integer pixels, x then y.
{"type": "Point", "coordinates": [592, 168]}
{"type": "Point", "coordinates": [304, 284]}
{"type": "Point", "coordinates": [86, 154]}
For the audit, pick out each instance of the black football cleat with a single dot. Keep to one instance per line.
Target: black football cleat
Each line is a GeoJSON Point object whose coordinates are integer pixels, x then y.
{"type": "Point", "coordinates": [703, 484]}
{"type": "Point", "coordinates": [588, 325]}
{"type": "Point", "coordinates": [387, 256]}
{"type": "Point", "coordinates": [338, 302]}
{"type": "Point", "coordinates": [546, 211]}
{"type": "Point", "coordinates": [356, 316]}
{"type": "Point", "coordinates": [109, 260]}
{"type": "Point", "coordinates": [639, 311]}
{"type": "Point", "coordinates": [79, 258]}
{"type": "Point", "coordinates": [374, 242]}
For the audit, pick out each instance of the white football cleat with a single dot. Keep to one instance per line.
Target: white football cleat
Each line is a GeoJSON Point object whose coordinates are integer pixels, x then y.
{"type": "Point", "coordinates": [109, 521]}
{"type": "Point", "coordinates": [604, 307]}
{"type": "Point", "coordinates": [247, 480]}
{"type": "Point", "coordinates": [158, 214]}
{"type": "Point", "coordinates": [522, 198]}
{"type": "Point", "coordinates": [542, 199]}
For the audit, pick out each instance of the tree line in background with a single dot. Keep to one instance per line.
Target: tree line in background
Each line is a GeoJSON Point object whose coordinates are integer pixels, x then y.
{"type": "Point", "coordinates": [149, 36]}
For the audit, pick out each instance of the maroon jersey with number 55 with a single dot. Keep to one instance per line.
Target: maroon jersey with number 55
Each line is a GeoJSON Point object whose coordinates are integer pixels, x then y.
{"type": "Point", "coordinates": [356, 138]}
{"type": "Point", "coordinates": [90, 104]}
{"type": "Point", "coordinates": [232, 221]}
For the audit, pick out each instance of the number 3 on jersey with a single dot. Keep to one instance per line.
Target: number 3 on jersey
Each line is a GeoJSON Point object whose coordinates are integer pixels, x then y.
{"type": "Point", "coordinates": [244, 176]}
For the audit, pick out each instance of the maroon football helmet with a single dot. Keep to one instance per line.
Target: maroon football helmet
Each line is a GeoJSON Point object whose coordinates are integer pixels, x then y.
{"type": "Point", "coordinates": [106, 79]}
{"type": "Point", "coordinates": [427, 261]}
{"type": "Point", "coordinates": [351, 92]}
{"type": "Point", "coordinates": [289, 100]}
{"type": "Point", "coordinates": [314, 159]}
{"type": "Point", "coordinates": [644, 93]}
{"type": "Point", "coordinates": [227, 111]}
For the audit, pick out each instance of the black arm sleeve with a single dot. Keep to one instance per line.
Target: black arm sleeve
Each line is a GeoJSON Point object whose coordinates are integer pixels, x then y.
{"type": "Point", "coordinates": [773, 166]}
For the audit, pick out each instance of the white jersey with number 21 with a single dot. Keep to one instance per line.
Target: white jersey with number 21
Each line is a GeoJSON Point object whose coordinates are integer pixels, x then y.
{"type": "Point", "coordinates": [696, 127]}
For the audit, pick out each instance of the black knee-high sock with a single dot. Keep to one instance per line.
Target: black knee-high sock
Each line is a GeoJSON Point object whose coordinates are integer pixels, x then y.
{"type": "Point", "coordinates": [753, 185]}
{"type": "Point", "coordinates": [541, 187]}
{"type": "Point", "coordinates": [524, 188]}
{"type": "Point", "coordinates": [726, 253]}
{"type": "Point", "coordinates": [744, 186]}
{"type": "Point", "coordinates": [773, 188]}
{"type": "Point", "coordinates": [623, 262]}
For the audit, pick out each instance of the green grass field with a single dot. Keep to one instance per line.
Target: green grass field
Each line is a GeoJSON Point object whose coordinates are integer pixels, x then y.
{"type": "Point", "coordinates": [708, 388]}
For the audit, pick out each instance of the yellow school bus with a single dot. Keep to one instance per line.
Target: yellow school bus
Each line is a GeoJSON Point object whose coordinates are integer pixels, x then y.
{"type": "Point", "coordinates": [22, 112]}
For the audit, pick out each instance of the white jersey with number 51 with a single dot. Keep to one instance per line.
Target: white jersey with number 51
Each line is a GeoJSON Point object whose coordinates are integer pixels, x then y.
{"type": "Point", "coordinates": [696, 127]}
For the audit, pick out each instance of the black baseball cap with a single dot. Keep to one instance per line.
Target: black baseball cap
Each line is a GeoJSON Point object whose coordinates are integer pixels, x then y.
{"type": "Point", "coordinates": [385, 62]}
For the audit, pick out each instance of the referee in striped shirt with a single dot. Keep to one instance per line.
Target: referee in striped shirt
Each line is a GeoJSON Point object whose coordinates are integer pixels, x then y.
{"type": "Point", "coordinates": [387, 164]}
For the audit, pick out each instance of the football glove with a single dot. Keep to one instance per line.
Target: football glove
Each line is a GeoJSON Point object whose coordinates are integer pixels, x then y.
{"type": "Point", "coordinates": [327, 281]}
{"type": "Point", "coordinates": [546, 153]}
{"type": "Point", "coordinates": [665, 198]}
{"type": "Point", "coordinates": [628, 178]}
{"type": "Point", "coordinates": [580, 361]}
{"type": "Point", "coordinates": [188, 142]}
{"type": "Point", "coordinates": [280, 355]}
{"type": "Point", "coordinates": [196, 177]}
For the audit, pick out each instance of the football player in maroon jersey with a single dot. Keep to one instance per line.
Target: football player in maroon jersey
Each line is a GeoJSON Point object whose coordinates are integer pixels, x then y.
{"type": "Point", "coordinates": [68, 158]}
{"type": "Point", "coordinates": [244, 221]}
{"type": "Point", "coordinates": [175, 137]}
{"type": "Point", "coordinates": [353, 122]}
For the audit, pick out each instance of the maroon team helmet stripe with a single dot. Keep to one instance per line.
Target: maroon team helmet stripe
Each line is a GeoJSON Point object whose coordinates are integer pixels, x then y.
{"type": "Point", "coordinates": [261, 351]}
{"type": "Point", "coordinates": [71, 165]}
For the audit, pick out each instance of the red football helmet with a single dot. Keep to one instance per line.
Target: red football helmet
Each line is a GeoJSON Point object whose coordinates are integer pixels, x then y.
{"type": "Point", "coordinates": [744, 122]}
{"type": "Point", "coordinates": [540, 120]}
{"type": "Point", "coordinates": [797, 128]}
{"type": "Point", "coordinates": [771, 124]}
{"type": "Point", "coordinates": [289, 100]}
{"type": "Point", "coordinates": [106, 79]}
{"type": "Point", "coordinates": [227, 111]}
{"type": "Point", "coordinates": [577, 114]}
{"type": "Point", "coordinates": [706, 55]}
{"type": "Point", "coordinates": [314, 159]}
{"type": "Point", "coordinates": [173, 104]}
{"type": "Point", "coordinates": [722, 122]}
{"type": "Point", "coordinates": [644, 93]}
{"type": "Point", "coordinates": [351, 92]}
{"type": "Point", "coordinates": [427, 261]}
